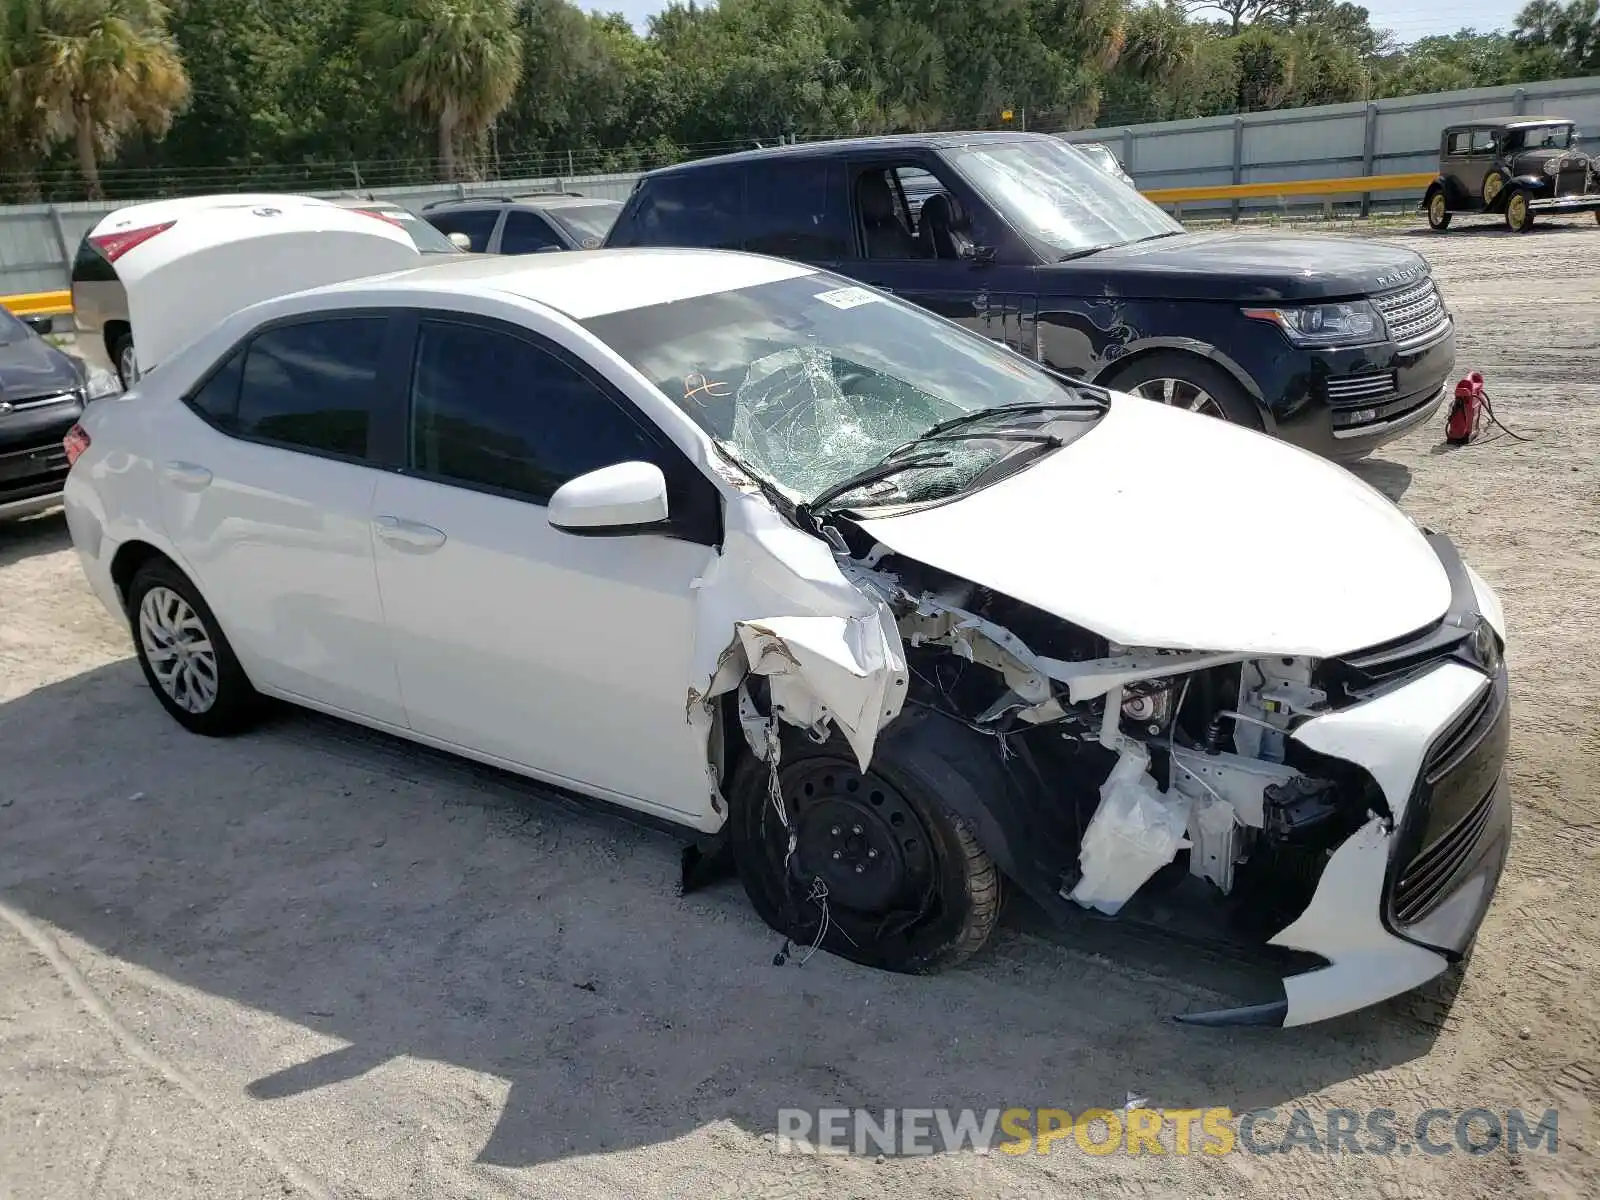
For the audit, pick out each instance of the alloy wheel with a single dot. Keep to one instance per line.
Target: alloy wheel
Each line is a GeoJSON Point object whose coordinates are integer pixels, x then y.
{"type": "Point", "coordinates": [1180, 393]}
{"type": "Point", "coordinates": [178, 648]}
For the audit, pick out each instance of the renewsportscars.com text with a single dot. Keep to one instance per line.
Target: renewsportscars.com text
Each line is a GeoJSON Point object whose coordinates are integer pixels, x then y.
{"type": "Point", "coordinates": [1186, 1131]}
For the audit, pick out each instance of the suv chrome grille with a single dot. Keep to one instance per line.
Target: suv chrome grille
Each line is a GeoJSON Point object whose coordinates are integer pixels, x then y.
{"type": "Point", "coordinates": [1413, 314]}
{"type": "Point", "coordinates": [23, 403]}
{"type": "Point", "coordinates": [1360, 389]}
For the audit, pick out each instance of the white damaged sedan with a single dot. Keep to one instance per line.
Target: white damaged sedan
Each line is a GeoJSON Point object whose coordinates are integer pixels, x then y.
{"type": "Point", "coordinates": [877, 607]}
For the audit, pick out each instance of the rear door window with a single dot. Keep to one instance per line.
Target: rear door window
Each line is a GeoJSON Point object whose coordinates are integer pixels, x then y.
{"type": "Point", "coordinates": [309, 386]}
{"type": "Point", "coordinates": [796, 208]}
{"type": "Point", "coordinates": [689, 208]}
{"type": "Point", "coordinates": [477, 223]}
{"type": "Point", "coordinates": [528, 233]}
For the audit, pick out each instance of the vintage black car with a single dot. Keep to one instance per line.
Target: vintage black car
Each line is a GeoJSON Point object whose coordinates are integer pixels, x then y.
{"type": "Point", "coordinates": [1518, 167]}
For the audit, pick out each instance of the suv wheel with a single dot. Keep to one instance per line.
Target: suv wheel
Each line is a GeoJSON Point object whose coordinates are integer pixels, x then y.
{"type": "Point", "coordinates": [185, 658]}
{"type": "Point", "coordinates": [1186, 381]}
{"type": "Point", "coordinates": [1519, 216]}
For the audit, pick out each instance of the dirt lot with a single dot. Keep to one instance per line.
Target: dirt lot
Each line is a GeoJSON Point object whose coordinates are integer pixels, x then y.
{"type": "Point", "coordinates": [310, 961]}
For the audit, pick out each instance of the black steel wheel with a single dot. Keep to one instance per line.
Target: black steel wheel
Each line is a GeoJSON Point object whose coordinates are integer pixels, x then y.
{"type": "Point", "coordinates": [879, 870]}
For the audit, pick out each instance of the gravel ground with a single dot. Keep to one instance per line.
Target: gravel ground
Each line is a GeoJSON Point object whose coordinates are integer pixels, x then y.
{"type": "Point", "coordinates": [311, 961]}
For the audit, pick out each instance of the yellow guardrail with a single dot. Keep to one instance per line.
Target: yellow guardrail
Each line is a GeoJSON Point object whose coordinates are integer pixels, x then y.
{"type": "Point", "coordinates": [58, 303]}
{"type": "Point", "coordinates": [1351, 186]}
{"type": "Point", "coordinates": [39, 304]}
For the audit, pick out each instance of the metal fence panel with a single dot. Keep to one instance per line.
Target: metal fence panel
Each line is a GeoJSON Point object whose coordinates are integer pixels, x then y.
{"type": "Point", "coordinates": [1396, 136]}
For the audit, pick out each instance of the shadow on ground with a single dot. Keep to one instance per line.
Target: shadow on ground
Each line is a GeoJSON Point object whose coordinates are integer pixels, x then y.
{"type": "Point", "coordinates": [25, 537]}
{"type": "Point", "coordinates": [1390, 478]}
{"type": "Point", "coordinates": [412, 907]}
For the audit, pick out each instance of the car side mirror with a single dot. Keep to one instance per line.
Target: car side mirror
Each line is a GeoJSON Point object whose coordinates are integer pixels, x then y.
{"type": "Point", "coordinates": [460, 241]}
{"type": "Point", "coordinates": [977, 254]}
{"type": "Point", "coordinates": [615, 501]}
{"type": "Point", "coordinates": [40, 324]}
{"type": "Point", "coordinates": [549, 249]}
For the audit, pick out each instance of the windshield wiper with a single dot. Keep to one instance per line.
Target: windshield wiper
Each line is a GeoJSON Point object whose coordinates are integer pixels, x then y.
{"type": "Point", "coordinates": [1156, 237]}
{"type": "Point", "coordinates": [978, 435]}
{"type": "Point", "coordinates": [1094, 406]}
{"type": "Point", "coordinates": [875, 474]}
{"type": "Point", "coordinates": [1086, 251]}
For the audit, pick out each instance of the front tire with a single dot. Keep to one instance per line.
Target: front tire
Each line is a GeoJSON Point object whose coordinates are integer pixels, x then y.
{"type": "Point", "coordinates": [908, 888]}
{"type": "Point", "coordinates": [1189, 382]}
{"type": "Point", "coordinates": [1519, 214]}
{"type": "Point", "coordinates": [1438, 211]}
{"type": "Point", "coordinates": [184, 654]}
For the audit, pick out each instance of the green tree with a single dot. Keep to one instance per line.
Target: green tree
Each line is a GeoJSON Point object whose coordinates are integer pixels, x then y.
{"type": "Point", "coordinates": [454, 62]}
{"type": "Point", "coordinates": [110, 68]}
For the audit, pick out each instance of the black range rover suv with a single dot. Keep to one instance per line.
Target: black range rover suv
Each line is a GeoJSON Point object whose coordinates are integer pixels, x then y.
{"type": "Point", "coordinates": [1335, 344]}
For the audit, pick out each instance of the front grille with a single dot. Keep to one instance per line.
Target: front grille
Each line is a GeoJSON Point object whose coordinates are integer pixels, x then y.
{"type": "Point", "coordinates": [1452, 803]}
{"type": "Point", "coordinates": [1572, 181]}
{"type": "Point", "coordinates": [1350, 420]}
{"type": "Point", "coordinates": [1364, 388]}
{"type": "Point", "coordinates": [1413, 314]}
{"type": "Point", "coordinates": [37, 462]}
{"type": "Point", "coordinates": [41, 400]}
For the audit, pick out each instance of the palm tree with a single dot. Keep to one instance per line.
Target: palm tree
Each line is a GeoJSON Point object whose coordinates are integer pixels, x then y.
{"type": "Point", "coordinates": [24, 125]}
{"type": "Point", "coordinates": [457, 61]}
{"type": "Point", "coordinates": [109, 68]}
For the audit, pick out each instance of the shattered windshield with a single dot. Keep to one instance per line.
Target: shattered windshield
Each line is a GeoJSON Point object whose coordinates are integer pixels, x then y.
{"type": "Point", "coordinates": [810, 380]}
{"type": "Point", "coordinates": [1055, 195]}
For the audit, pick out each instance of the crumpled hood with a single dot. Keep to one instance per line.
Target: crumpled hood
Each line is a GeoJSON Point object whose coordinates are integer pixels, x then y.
{"type": "Point", "coordinates": [31, 366]}
{"type": "Point", "coordinates": [1161, 528]}
{"type": "Point", "coordinates": [1242, 267]}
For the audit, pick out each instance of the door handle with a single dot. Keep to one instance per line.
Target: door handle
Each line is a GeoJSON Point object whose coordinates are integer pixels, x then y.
{"type": "Point", "coordinates": [412, 537]}
{"type": "Point", "coordinates": [884, 288]}
{"type": "Point", "coordinates": [191, 477]}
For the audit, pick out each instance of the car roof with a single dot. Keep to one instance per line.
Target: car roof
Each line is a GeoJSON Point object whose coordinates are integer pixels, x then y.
{"type": "Point", "coordinates": [1511, 122]}
{"type": "Point", "coordinates": [531, 200]}
{"type": "Point", "coordinates": [591, 284]}
{"type": "Point", "coordinates": [885, 143]}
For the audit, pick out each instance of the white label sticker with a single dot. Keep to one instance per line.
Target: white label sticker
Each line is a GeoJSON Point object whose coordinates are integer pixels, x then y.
{"type": "Point", "coordinates": [848, 297]}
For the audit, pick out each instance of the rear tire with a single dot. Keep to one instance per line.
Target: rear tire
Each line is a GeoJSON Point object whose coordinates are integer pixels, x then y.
{"type": "Point", "coordinates": [1196, 380]}
{"type": "Point", "coordinates": [912, 892]}
{"type": "Point", "coordinates": [184, 654]}
{"type": "Point", "coordinates": [123, 357]}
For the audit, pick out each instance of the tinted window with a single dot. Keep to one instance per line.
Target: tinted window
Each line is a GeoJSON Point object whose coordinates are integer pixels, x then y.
{"type": "Point", "coordinates": [218, 397]}
{"type": "Point", "coordinates": [312, 385]}
{"type": "Point", "coordinates": [588, 223]}
{"type": "Point", "coordinates": [478, 224]}
{"type": "Point", "coordinates": [492, 409]}
{"type": "Point", "coordinates": [90, 266]}
{"type": "Point", "coordinates": [794, 209]}
{"type": "Point", "coordinates": [527, 233]}
{"type": "Point", "coordinates": [690, 208]}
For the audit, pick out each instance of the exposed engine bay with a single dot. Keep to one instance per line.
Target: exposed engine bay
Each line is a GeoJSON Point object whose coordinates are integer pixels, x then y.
{"type": "Point", "coordinates": [1141, 760]}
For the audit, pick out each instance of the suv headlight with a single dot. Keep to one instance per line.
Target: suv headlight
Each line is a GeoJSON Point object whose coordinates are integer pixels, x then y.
{"type": "Point", "coordinates": [1324, 324]}
{"type": "Point", "coordinates": [99, 383]}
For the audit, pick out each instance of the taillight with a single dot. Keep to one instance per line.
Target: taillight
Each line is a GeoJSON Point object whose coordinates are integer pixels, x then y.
{"type": "Point", "coordinates": [75, 443]}
{"type": "Point", "coordinates": [115, 245]}
{"type": "Point", "coordinates": [382, 216]}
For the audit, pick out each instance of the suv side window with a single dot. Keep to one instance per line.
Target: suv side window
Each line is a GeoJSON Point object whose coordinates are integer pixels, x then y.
{"type": "Point", "coordinates": [527, 233]}
{"type": "Point", "coordinates": [796, 208]}
{"type": "Point", "coordinates": [492, 410]}
{"type": "Point", "coordinates": [688, 208]}
{"type": "Point", "coordinates": [311, 385]}
{"type": "Point", "coordinates": [477, 223]}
